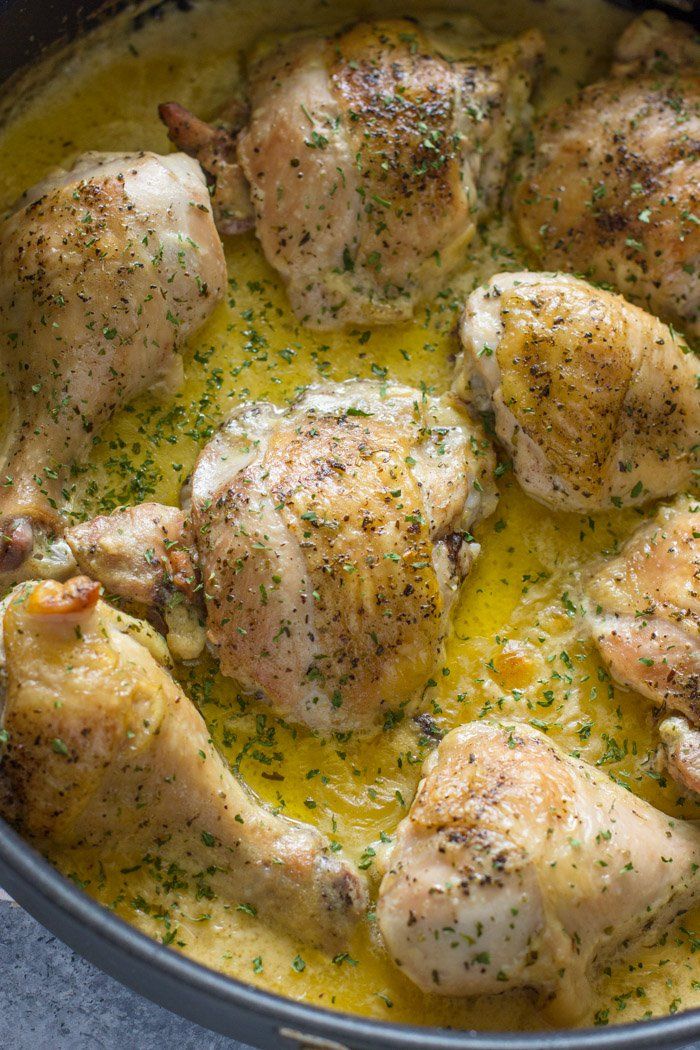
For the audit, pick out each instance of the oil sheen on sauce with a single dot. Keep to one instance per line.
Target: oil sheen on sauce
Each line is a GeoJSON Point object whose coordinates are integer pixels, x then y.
{"type": "Point", "coordinates": [518, 649]}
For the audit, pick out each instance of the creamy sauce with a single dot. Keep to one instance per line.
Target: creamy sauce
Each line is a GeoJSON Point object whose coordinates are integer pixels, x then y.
{"type": "Point", "coordinates": [518, 648]}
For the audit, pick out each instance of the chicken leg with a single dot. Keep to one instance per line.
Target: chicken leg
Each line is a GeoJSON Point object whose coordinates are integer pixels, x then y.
{"type": "Point", "coordinates": [520, 867]}
{"type": "Point", "coordinates": [105, 750]}
{"type": "Point", "coordinates": [147, 556]}
{"type": "Point", "coordinates": [105, 270]}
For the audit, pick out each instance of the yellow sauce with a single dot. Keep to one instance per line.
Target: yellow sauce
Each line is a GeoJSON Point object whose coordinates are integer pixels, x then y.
{"type": "Point", "coordinates": [519, 599]}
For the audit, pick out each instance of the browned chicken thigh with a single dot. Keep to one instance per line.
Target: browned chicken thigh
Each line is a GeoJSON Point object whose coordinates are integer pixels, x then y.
{"type": "Point", "coordinates": [105, 751]}
{"type": "Point", "coordinates": [644, 615]}
{"type": "Point", "coordinates": [332, 538]}
{"type": "Point", "coordinates": [105, 270]}
{"type": "Point", "coordinates": [329, 540]}
{"type": "Point", "coordinates": [595, 400]}
{"type": "Point", "coordinates": [612, 188]}
{"type": "Point", "coordinates": [371, 155]}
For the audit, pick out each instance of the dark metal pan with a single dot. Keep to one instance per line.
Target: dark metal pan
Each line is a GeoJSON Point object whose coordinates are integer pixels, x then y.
{"type": "Point", "coordinates": [27, 28]}
{"type": "Point", "coordinates": [267, 1021]}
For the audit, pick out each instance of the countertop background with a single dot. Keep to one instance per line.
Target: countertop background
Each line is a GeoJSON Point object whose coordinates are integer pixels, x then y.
{"type": "Point", "coordinates": [51, 999]}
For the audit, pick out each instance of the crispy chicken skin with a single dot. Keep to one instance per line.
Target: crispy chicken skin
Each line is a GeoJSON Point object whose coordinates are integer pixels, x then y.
{"type": "Point", "coordinates": [332, 539]}
{"type": "Point", "coordinates": [520, 867]}
{"type": "Point", "coordinates": [595, 400]}
{"type": "Point", "coordinates": [371, 155]}
{"type": "Point", "coordinates": [611, 187]}
{"type": "Point", "coordinates": [105, 751]}
{"type": "Point", "coordinates": [644, 616]}
{"type": "Point", "coordinates": [105, 270]}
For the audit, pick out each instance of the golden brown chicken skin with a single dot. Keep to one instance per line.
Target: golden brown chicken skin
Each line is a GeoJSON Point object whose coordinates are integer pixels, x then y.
{"type": "Point", "coordinates": [105, 270]}
{"type": "Point", "coordinates": [371, 155]}
{"type": "Point", "coordinates": [332, 540]}
{"type": "Point", "coordinates": [611, 188]}
{"type": "Point", "coordinates": [594, 399]}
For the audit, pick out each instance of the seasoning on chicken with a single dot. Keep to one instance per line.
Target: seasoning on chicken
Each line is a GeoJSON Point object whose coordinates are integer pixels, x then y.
{"type": "Point", "coordinates": [327, 540]}
{"type": "Point", "coordinates": [333, 537]}
{"type": "Point", "coordinates": [146, 555]}
{"type": "Point", "coordinates": [519, 867]}
{"type": "Point", "coordinates": [612, 188]}
{"type": "Point", "coordinates": [644, 616]}
{"type": "Point", "coordinates": [594, 399]}
{"type": "Point", "coordinates": [104, 751]}
{"type": "Point", "coordinates": [105, 270]}
{"type": "Point", "coordinates": [371, 156]}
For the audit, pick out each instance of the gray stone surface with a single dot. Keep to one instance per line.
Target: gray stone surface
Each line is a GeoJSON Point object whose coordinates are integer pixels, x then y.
{"type": "Point", "coordinates": [51, 999]}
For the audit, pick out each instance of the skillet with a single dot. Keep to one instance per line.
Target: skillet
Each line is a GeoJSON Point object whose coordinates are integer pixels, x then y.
{"type": "Point", "coordinates": [28, 29]}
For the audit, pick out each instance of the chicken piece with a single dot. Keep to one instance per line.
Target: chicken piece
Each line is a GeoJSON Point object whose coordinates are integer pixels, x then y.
{"type": "Point", "coordinates": [611, 188]}
{"type": "Point", "coordinates": [519, 867]}
{"type": "Point", "coordinates": [146, 555]}
{"type": "Point", "coordinates": [105, 751]}
{"type": "Point", "coordinates": [372, 154]}
{"type": "Point", "coordinates": [646, 603]}
{"type": "Point", "coordinates": [332, 540]}
{"type": "Point", "coordinates": [655, 43]}
{"type": "Point", "coordinates": [105, 270]}
{"type": "Point", "coordinates": [214, 146]}
{"type": "Point", "coordinates": [594, 399]}
{"type": "Point", "coordinates": [644, 616]}
{"type": "Point", "coordinates": [680, 751]}
{"type": "Point", "coordinates": [329, 541]}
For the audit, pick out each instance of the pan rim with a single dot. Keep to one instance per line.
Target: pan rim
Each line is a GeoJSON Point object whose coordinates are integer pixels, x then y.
{"type": "Point", "coordinates": [70, 913]}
